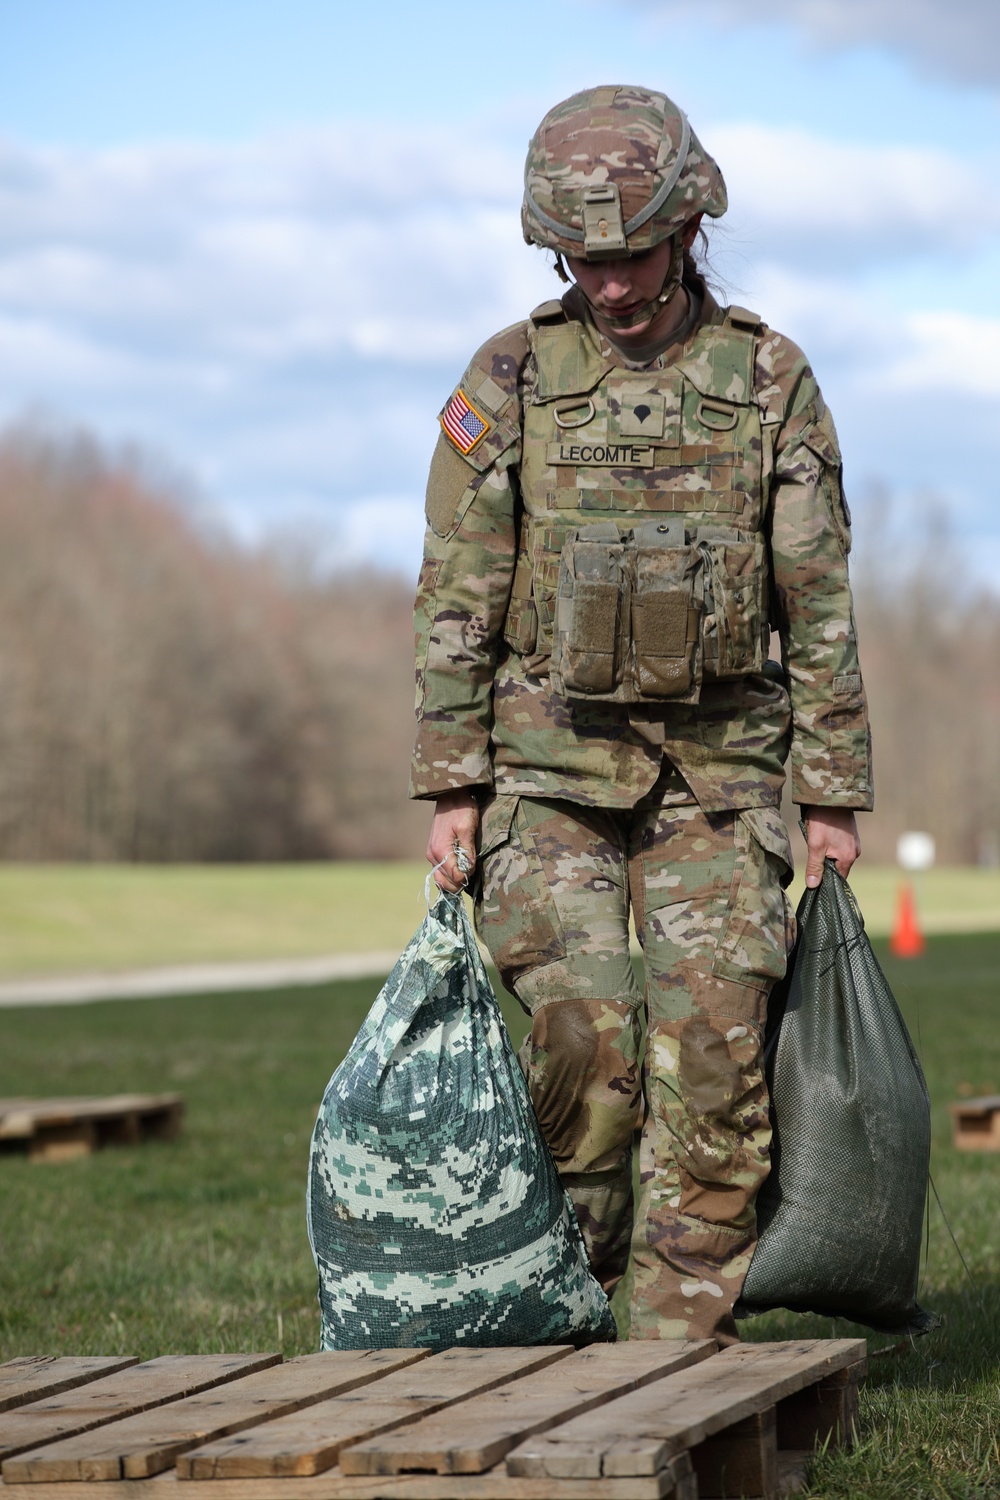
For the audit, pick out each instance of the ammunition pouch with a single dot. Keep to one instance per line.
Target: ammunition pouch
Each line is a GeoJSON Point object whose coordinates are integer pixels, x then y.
{"type": "Point", "coordinates": [737, 636]}
{"type": "Point", "coordinates": [643, 614]}
{"type": "Point", "coordinates": [520, 629]}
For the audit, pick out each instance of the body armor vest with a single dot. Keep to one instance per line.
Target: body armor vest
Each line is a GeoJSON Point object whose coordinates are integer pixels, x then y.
{"type": "Point", "coordinates": [642, 566]}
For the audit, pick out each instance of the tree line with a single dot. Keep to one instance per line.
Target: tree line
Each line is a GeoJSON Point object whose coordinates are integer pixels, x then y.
{"type": "Point", "coordinates": [166, 694]}
{"type": "Point", "coordinates": [930, 655]}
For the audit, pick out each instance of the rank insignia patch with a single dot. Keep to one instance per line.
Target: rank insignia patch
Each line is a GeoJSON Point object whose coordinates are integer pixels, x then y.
{"type": "Point", "coordinates": [463, 424]}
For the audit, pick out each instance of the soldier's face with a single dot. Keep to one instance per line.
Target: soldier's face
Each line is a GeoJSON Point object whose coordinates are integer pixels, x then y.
{"type": "Point", "coordinates": [619, 286]}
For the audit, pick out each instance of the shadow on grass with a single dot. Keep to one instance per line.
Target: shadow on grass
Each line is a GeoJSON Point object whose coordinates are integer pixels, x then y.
{"type": "Point", "coordinates": [966, 1346]}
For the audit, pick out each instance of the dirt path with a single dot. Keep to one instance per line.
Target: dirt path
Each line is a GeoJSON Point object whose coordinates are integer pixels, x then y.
{"type": "Point", "coordinates": [195, 979]}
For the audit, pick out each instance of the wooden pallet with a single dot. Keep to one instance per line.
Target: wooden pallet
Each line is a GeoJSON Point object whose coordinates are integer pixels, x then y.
{"type": "Point", "coordinates": [976, 1124]}
{"type": "Point", "coordinates": [631, 1421]}
{"type": "Point", "coordinates": [63, 1129]}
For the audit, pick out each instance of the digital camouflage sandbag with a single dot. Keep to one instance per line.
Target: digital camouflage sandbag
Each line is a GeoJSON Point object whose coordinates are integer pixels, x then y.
{"type": "Point", "coordinates": [841, 1213]}
{"type": "Point", "coordinates": [436, 1216]}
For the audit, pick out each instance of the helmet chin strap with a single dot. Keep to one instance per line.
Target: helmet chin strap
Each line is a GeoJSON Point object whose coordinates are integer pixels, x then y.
{"type": "Point", "coordinates": [647, 310]}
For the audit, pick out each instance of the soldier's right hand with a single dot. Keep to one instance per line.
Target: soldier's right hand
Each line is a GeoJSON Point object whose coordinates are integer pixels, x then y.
{"type": "Point", "coordinates": [456, 819]}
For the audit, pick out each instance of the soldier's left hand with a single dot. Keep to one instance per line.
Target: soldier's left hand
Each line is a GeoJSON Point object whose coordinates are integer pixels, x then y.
{"type": "Point", "coordinates": [832, 833]}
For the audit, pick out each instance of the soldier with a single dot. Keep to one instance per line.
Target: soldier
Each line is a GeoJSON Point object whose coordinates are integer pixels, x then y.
{"type": "Point", "coordinates": [631, 489]}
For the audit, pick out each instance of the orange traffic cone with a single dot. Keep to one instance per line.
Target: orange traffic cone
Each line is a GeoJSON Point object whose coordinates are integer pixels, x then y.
{"type": "Point", "coordinates": [907, 940]}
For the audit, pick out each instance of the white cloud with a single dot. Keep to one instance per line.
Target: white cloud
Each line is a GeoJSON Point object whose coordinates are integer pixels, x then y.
{"type": "Point", "coordinates": [949, 351]}
{"type": "Point", "coordinates": [958, 40]}
{"type": "Point", "coordinates": [836, 321]}
{"type": "Point", "coordinates": [287, 315]}
{"type": "Point", "coordinates": [832, 200]}
{"type": "Point", "coordinates": [876, 348]}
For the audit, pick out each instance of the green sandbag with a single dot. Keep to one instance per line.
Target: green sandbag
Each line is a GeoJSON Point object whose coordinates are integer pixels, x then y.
{"type": "Point", "coordinates": [841, 1214]}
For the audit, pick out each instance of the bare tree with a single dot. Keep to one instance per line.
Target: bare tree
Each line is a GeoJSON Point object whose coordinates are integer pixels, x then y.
{"type": "Point", "coordinates": [168, 696]}
{"type": "Point", "coordinates": [930, 640]}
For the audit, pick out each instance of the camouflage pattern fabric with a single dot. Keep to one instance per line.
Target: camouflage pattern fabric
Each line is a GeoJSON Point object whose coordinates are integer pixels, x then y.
{"type": "Point", "coordinates": [487, 715]}
{"type": "Point", "coordinates": [435, 1214]}
{"type": "Point", "coordinates": [626, 136]}
{"type": "Point", "coordinates": [706, 890]}
{"type": "Point", "coordinates": [664, 803]}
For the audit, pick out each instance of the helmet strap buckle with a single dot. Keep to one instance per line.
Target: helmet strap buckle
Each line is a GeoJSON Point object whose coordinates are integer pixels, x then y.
{"type": "Point", "coordinates": [603, 228]}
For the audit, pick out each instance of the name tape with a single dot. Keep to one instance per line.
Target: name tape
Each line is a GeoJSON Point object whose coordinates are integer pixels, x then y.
{"type": "Point", "coordinates": [602, 455]}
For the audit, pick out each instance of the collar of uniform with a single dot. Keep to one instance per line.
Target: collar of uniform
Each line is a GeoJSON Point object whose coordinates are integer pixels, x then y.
{"type": "Point", "coordinates": [658, 354]}
{"type": "Point", "coordinates": [708, 312]}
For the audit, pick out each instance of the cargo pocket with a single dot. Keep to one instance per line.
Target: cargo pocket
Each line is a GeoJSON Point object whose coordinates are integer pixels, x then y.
{"type": "Point", "coordinates": [515, 911]}
{"type": "Point", "coordinates": [759, 930]}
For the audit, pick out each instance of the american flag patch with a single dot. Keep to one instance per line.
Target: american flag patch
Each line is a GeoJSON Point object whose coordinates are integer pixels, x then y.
{"type": "Point", "coordinates": [463, 423]}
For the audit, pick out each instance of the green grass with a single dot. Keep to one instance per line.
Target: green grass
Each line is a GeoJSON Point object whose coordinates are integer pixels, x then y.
{"type": "Point", "coordinates": [200, 1245]}
{"type": "Point", "coordinates": [949, 899]}
{"type": "Point", "coordinates": [196, 1245]}
{"type": "Point", "coordinates": [68, 918]}
{"type": "Point", "coordinates": [71, 918]}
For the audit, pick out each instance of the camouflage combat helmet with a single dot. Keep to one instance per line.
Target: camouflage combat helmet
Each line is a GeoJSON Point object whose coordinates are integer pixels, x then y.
{"type": "Point", "coordinates": [613, 171]}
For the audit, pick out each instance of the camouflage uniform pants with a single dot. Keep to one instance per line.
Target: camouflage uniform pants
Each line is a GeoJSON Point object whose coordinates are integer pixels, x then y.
{"type": "Point", "coordinates": [558, 883]}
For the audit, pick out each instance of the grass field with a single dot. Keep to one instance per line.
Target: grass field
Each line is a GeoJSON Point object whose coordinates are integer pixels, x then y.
{"type": "Point", "coordinates": [68, 918]}
{"type": "Point", "coordinates": [79, 918]}
{"type": "Point", "coordinates": [200, 1245]}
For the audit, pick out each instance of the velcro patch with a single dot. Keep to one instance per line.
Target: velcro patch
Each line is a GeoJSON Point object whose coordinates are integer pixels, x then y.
{"type": "Point", "coordinates": [463, 424]}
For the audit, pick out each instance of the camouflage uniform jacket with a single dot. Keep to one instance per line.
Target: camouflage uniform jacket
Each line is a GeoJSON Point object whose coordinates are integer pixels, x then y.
{"type": "Point", "coordinates": [487, 713]}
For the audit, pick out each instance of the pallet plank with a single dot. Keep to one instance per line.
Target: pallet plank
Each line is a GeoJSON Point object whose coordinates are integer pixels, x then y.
{"type": "Point", "coordinates": [309, 1442]}
{"type": "Point", "coordinates": [976, 1124]}
{"type": "Point", "coordinates": [148, 1442]}
{"type": "Point", "coordinates": [59, 1130]}
{"type": "Point", "coordinates": [472, 1437]}
{"type": "Point", "coordinates": [673, 1483]}
{"type": "Point", "coordinates": [750, 1379]}
{"type": "Point", "coordinates": [168, 1378]}
{"type": "Point", "coordinates": [32, 1377]}
{"type": "Point", "coordinates": [20, 1118]}
{"type": "Point", "coordinates": [636, 1434]}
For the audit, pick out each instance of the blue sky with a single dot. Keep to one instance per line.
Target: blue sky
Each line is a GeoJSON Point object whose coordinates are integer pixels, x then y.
{"type": "Point", "coordinates": [262, 240]}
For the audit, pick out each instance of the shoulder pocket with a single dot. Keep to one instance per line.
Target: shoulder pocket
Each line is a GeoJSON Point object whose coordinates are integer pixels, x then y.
{"type": "Point", "coordinates": [423, 612]}
{"type": "Point", "coordinates": [821, 439]}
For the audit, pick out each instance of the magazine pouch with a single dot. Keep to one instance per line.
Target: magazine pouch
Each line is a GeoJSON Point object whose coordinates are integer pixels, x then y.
{"type": "Point", "coordinates": [667, 605]}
